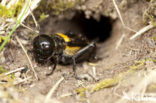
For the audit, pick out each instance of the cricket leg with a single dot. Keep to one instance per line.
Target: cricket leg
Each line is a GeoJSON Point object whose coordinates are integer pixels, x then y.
{"type": "Point", "coordinates": [55, 64]}
{"type": "Point", "coordinates": [79, 53]}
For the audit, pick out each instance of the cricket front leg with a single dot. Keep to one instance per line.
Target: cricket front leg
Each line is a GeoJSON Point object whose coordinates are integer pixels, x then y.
{"type": "Point", "coordinates": [55, 64]}
{"type": "Point", "coordinates": [48, 74]}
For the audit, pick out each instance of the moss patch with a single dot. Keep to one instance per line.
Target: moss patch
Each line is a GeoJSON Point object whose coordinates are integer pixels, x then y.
{"type": "Point", "coordinates": [109, 82]}
{"type": "Point", "coordinates": [56, 6]}
{"type": "Point", "coordinates": [11, 12]}
{"type": "Point", "coordinates": [149, 14]}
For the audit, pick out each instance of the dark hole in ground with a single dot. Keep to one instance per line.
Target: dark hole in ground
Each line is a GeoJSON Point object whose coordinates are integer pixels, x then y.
{"type": "Point", "coordinates": [93, 29]}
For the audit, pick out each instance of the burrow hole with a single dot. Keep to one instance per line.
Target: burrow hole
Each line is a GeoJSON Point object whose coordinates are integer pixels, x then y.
{"type": "Point", "coordinates": [93, 29]}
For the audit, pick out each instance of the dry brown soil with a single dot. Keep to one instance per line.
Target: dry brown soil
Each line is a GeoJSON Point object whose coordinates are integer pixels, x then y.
{"type": "Point", "coordinates": [113, 60]}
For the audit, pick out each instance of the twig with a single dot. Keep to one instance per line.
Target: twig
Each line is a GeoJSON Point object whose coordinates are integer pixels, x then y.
{"type": "Point", "coordinates": [16, 70]}
{"type": "Point", "coordinates": [52, 90]}
{"type": "Point", "coordinates": [27, 58]}
{"type": "Point", "coordinates": [65, 95]}
{"type": "Point", "coordinates": [29, 28]}
{"type": "Point", "coordinates": [94, 71]}
{"type": "Point", "coordinates": [118, 11]}
{"type": "Point", "coordinates": [93, 74]}
{"type": "Point", "coordinates": [35, 21]}
{"type": "Point", "coordinates": [120, 41]}
{"type": "Point", "coordinates": [141, 31]}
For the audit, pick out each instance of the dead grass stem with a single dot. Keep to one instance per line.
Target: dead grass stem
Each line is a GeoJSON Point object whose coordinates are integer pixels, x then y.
{"type": "Point", "coordinates": [51, 92]}
{"type": "Point", "coordinates": [121, 19]}
{"type": "Point", "coordinates": [30, 62]}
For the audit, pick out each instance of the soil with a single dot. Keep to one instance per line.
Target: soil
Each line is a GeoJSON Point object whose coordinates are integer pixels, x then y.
{"type": "Point", "coordinates": [113, 60]}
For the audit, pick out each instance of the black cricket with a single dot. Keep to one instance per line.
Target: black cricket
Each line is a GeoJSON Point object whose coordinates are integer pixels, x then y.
{"type": "Point", "coordinates": [55, 49]}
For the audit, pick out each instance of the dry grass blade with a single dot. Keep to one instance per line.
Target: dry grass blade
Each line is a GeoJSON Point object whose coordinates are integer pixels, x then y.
{"type": "Point", "coordinates": [52, 90]}
{"type": "Point", "coordinates": [35, 21]}
{"type": "Point", "coordinates": [120, 41]}
{"type": "Point", "coordinates": [16, 70]}
{"type": "Point", "coordinates": [3, 2]}
{"type": "Point", "coordinates": [20, 19]}
{"type": "Point", "coordinates": [27, 57]}
{"type": "Point", "coordinates": [29, 28]}
{"type": "Point", "coordinates": [65, 95]}
{"type": "Point", "coordinates": [123, 23]}
{"type": "Point", "coordinates": [12, 2]}
{"type": "Point", "coordinates": [141, 31]}
{"type": "Point", "coordinates": [33, 4]}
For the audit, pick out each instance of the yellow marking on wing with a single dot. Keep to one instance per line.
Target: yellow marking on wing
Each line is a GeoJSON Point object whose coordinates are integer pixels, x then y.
{"type": "Point", "coordinates": [71, 50]}
{"type": "Point", "coordinates": [65, 37]}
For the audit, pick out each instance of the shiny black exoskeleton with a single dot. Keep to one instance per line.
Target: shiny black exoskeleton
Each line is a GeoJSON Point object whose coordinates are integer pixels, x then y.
{"type": "Point", "coordinates": [62, 48]}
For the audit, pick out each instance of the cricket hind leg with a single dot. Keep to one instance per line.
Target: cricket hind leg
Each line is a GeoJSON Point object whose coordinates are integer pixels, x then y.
{"type": "Point", "coordinates": [93, 57]}
{"type": "Point", "coordinates": [80, 53]}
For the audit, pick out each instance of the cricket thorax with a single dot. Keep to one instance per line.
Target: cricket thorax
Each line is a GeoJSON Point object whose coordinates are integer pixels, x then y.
{"type": "Point", "coordinates": [59, 43]}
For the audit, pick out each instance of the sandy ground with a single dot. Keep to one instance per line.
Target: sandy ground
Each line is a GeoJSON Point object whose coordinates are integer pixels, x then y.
{"type": "Point", "coordinates": [114, 61]}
